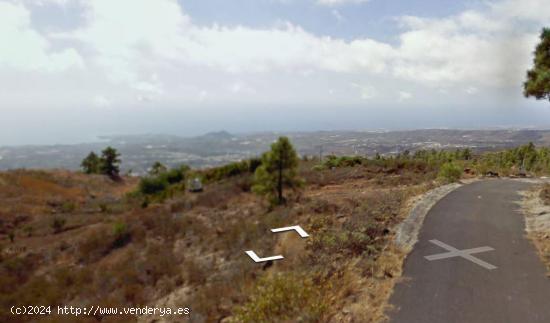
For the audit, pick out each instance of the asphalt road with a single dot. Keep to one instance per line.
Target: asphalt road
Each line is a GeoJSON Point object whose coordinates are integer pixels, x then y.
{"type": "Point", "coordinates": [507, 284]}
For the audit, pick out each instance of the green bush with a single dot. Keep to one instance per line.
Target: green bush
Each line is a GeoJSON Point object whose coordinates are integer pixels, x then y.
{"type": "Point", "coordinates": [232, 169]}
{"type": "Point", "coordinates": [284, 298]}
{"type": "Point", "coordinates": [160, 183]}
{"type": "Point", "coordinates": [176, 175]}
{"type": "Point", "coordinates": [229, 170]}
{"type": "Point", "coordinates": [450, 172]}
{"type": "Point", "coordinates": [343, 161]}
{"type": "Point", "coordinates": [152, 185]}
{"type": "Point", "coordinates": [173, 176]}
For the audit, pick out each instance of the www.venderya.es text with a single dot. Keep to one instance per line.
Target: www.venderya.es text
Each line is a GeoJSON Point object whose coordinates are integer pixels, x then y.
{"type": "Point", "coordinates": [98, 310]}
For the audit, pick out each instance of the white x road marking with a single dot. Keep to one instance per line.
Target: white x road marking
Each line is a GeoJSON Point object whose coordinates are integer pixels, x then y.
{"type": "Point", "coordinates": [466, 254]}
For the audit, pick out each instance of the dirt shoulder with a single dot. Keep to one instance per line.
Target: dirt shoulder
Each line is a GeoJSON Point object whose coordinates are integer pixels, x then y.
{"type": "Point", "coordinates": [535, 206]}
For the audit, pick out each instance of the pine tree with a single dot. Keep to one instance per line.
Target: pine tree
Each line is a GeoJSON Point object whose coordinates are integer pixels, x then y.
{"type": "Point", "coordinates": [90, 164]}
{"type": "Point", "coordinates": [538, 78]}
{"type": "Point", "coordinates": [278, 170]}
{"type": "Point", "coordinates": [110, 162]}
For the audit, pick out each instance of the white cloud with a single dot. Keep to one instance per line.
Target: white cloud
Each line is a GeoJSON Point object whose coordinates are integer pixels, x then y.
{"type": "Point", "coordinates": [203, 95]}
{"type": "Point", "coordinates": [472, 90]}
{"type": "Point", "coordinates": [242, 49]}
{"type": "Point", "coordinates": [404, 95]}
{"type": "Point", "coordinates": [150, 87]}
{"type": "Point", "coordinates": [25, 49]}
{"type": "Point", "coordinates": [127, 51]}
{"type": "Point", "coordinates": [144, 98]}
{"type": "Point", "coordinates": [480, 48]}
{"type": "Point", "coordinates": [366, 91]}
{"type": "Point", "coordinates": [471, 47]}
{"type": "Point", "coordinates": [338, 15]}
{"type": "Point", "coordinates": [339, 2]}
{"type": "Point", "coordinates": [41, 3]}
{"type": "Point", "coordinates": [176, 59]}
{"type": "Point", "coordinates": [240, 87]}
{"type": "Point", "coordinates": [533, 10]}
{"type": "Point", "coordinates": [101, 101]}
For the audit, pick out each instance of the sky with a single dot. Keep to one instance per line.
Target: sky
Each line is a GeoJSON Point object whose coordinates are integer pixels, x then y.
{"type": "Point", "coordinates": [72, 70]}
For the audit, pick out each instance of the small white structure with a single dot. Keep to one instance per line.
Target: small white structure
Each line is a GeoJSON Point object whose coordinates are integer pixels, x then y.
{"type": "Point", "coordinates": [195, 185]}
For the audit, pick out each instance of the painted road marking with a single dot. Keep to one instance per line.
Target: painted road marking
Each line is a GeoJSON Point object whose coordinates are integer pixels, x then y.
{"type": "Point", "coordinates": [255, 257]}
{"type": "Point", "coordinates": [296, 228]}
{"type": "Point", "coordinates": [466, 254]}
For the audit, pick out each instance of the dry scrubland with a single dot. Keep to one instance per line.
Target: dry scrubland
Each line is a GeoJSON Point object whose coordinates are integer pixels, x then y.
{"type": "Point", "coordinates": [74, 239]}
{"type": "Point", "coordinates": [536, 208]}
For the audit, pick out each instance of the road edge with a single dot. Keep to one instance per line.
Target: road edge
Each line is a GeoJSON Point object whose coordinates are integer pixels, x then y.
{"type": "Point", "coordinates": [537, 222]}
{"type": "Point", "coordinates": [407, 231]}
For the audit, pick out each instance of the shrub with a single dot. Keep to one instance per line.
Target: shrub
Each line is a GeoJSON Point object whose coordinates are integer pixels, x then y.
{"type": "Point", "coordinates": [104, 208]}
{"type": "Point", "coordinates": [545, 194]}
{"type": "Point", "coordinates": [94, 245]}
{"type": "Point", "coordinates": [160, 183]}
{"type": "Point", "coordinates": [68, 207]}
{"type": "Point", "coordinates": [173, 176]}
{"type": "Point", "coordinates": [226, 171]}
{"type": "Point", "coordinates": [157, 168]}
{"type": "Point", "coordinates": [232, 169]}
{"type": "Point", "coordinates": [450, 172]}
{"type": "Point", "coordinates": [254, 163]}
{"type": "Point", "coordinates": [121, 235]}
{"type": "Point", "coordinates": [145, 203]}
{"type": "Point", "coordinates": [28, 230]}
{"type": "Point", "coordinates": [354, 243]}
{"type": "Point", "coordinates": [159, 262]}
{"type": "Point", "coordinates": [317, 168]}
{"type": "Point", "coordinates": [344, 161]}
{"type": "Point", "coordinates": [58, 223]}
{"type": "Point", "coordinates": [284, 297]}
{"type": "Point", "coordinates": [194, 273]}
{"type": "Point", "coordinates": [152, 185]}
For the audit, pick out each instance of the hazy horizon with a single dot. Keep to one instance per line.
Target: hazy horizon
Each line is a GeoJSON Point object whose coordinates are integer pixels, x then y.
{"type": "Point", "coordinates": [106, 136]}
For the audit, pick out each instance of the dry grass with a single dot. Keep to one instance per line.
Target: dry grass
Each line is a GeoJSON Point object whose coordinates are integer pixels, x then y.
{"type": "Point", "coordinates": [190, 248]}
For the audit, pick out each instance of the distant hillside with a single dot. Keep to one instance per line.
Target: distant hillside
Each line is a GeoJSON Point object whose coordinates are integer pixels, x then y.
{"type": "Point", "coordinates": [217, 148]}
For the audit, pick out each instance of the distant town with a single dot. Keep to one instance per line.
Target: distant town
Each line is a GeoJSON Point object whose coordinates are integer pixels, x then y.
{"type": "Point", "coordinates": [139, 152]}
